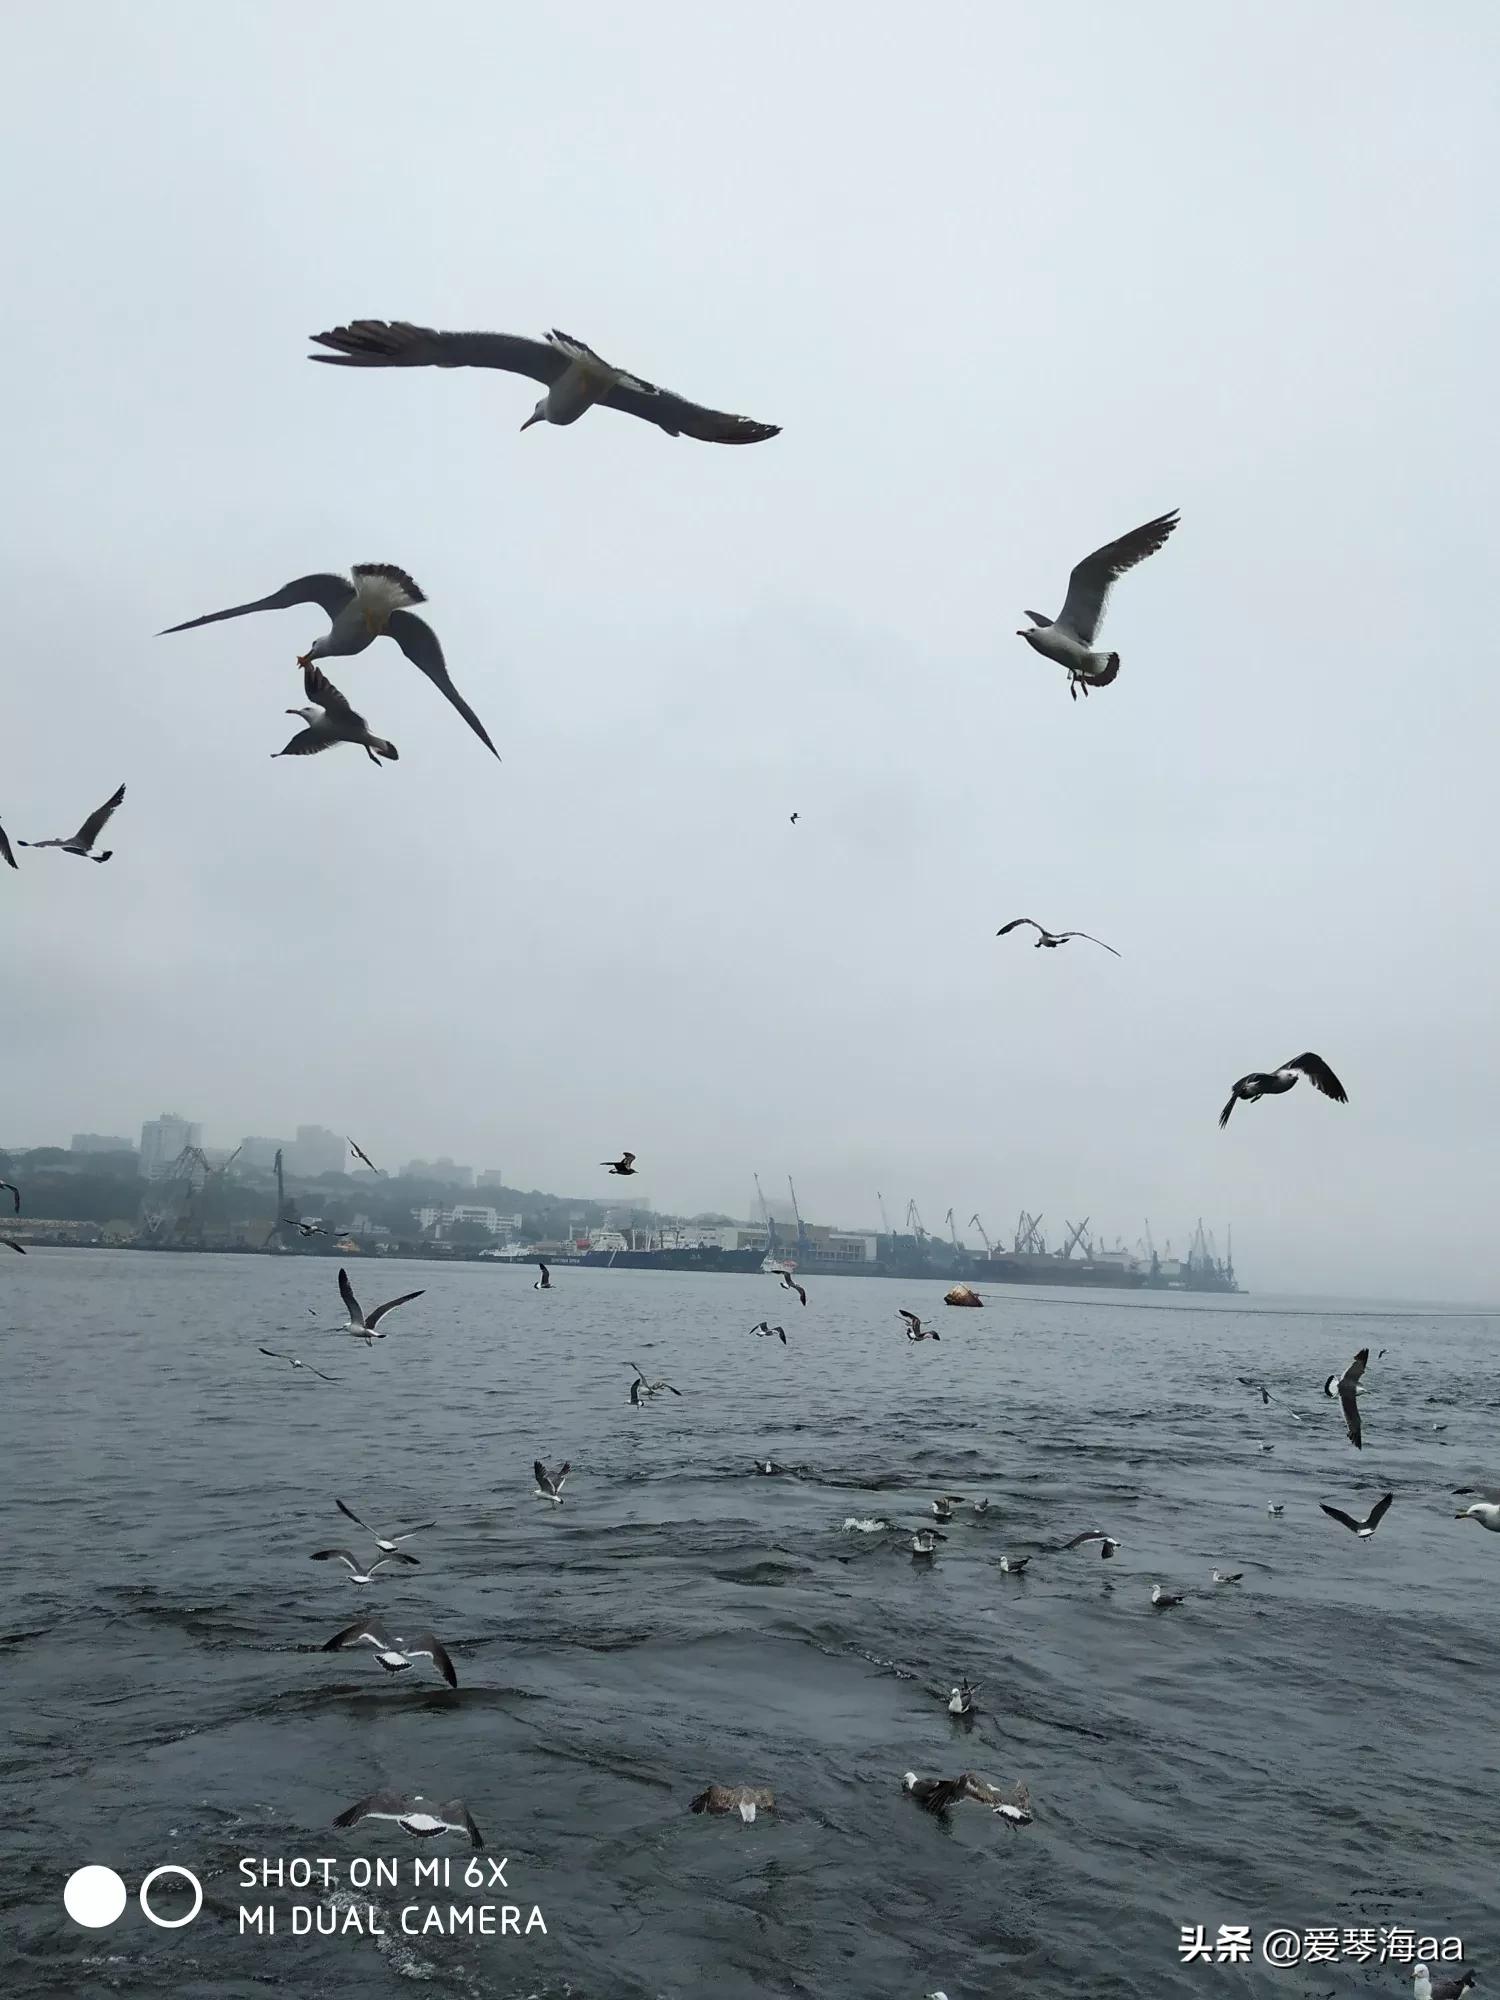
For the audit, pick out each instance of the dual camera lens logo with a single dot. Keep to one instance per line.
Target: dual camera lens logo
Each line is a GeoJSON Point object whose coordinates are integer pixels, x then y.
{"type": "Point", "coordinates": [96, 1897]}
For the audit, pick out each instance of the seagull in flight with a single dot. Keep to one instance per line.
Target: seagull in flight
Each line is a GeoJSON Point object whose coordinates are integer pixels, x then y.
{"type": "Point", "coordinates": [1273, 1083]}
{"type": "Point", "coordinates": [544, 1282]}
{"type": "Point", "coordinates": [375, 602]}
{"type": "Point", "coordinates": [1346, 1388]}
{"type": "Point", "coordinates": [19, 1248]}
{"type": "Point", "coordinates": [10, 1188]}
{"type": "Point", "coordinates": [360, 1154]}
{"type": "Point", "coordinates": [1107, 1543]}
{"type": "Point", "coordinates": [768, 1332]}
{"type": "Point", "coordinates": [549, 1485]}
{"type": "Point", "coordinates": [1486, 1511]}
{"type": "Point", "coordinates": [1365, 1528]}
{"type": "Point", "coordinates": [315, 1229]}
{"type": "Point", "coordinates": [789, 1284]}
{"type": "Point", "coordinates": [641, 1387]}
{"type": "Point", "coordinates": [1067, 639]}
{"type": "Point", "coordinates": [1049, 940]}
{"type": "Point", "coordinates": [394, 1654]}
{"type": "Point", "coordinates": [914, 1327]}
{"type": "Point", "coordinates": [10, 860]}
{"type": "Point", "coordinates": [331, 720]}
{"type": "Point", "coordinates": [365, 1326]}
{"type": "Point", "coordinates": [795, 818]}
{"type": "Point", "coordinates": [624, 1165]}
{"type": "Point", "coordinates": [1254, 1382]}
{"type": "Point", "coordinates": [276, 1355]}
{"type": "Point", "coordinates": [415, 1815]}
{"type": "Point", "coordinates": [389, 1545]}
{"type": "Point", "coordinates": [575, 376]}
{"type": "Point", "coordinates": [81, 843]}
{"type": "Point", "coordinates": [359, 1572]}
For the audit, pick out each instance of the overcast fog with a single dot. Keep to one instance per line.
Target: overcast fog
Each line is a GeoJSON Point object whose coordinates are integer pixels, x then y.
{"type": "Point", "coordinates": [1013, 278]}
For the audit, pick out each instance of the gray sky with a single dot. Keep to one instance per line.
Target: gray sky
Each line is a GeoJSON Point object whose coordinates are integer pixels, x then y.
{"type": "Point", "coordinates": [1013, 278]}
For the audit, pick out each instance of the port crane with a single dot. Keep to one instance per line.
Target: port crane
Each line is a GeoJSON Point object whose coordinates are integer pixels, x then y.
{"type": "Point", "coordinates": [765, 1216]}
{"type": "Point", "coordinates": [1029, 1235]}
{"type": "Point", "coordinates": [802, 1242]}
{"type": "Point", "coordinates": [1076, 1236]}
{"type": "Point", "coordinates": [914, 1220]}
{"type": "Point", "coordinates": [952, 1230]}
{"type": "Point", "coordinates": [989, 1249]}
{"type": "Point", "coordinates": [885, 1220]}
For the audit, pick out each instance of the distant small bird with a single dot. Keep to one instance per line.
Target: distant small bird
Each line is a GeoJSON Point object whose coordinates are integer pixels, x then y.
{"type": "Point", "coordinates": [365, 1326]}
{"type": "Point", "coordinates": [360, 1154]}
{"type": "Point", "coordinates": [1107, 1543]}
{"type": "Point", "coordinates": [330, 720]}
{"type": "Point", "coordinates": [1229, 1576]}
{"type": "Point", "coordinates": [795, 818]}
{"type": "Point", "coordinates": [1013, 1565]}
{"type": "Point", "coordinates": [961, 1699]}
{"type": "Point", "coordinates": [10, 1188]}
{"type": "Point", "coordinates": [388, 1544]}
{"type": "Point", "coordinates": [768, 1466]}
{"type": "Point", "coordinates": [624, 1165]}
{"type": "Point", "coordinates": [276, 1355]}
{"type": "Point", "coordinates": [1049, 940]}
{"type": "Point", "coordinates": [746, 1800]}
{"type": "Point", "coordinates": [789, 1284]}
{"type": "Point", "coordinates": [576, 377]}
{"type": "Point", "coordinates": [766, 1331]}
{"type": "Point", "coordinates": [1274, 1083]}
{"type": "Point", "coordinates": [317, 1229]}
{"type": "Point", "coordinates": [1346, 1388]}
{"type": "Point", "coordinates": [359, 1572]}
{"type": "Point", "coordinates": [415, 1815]}
{"type": "Point", "coordinates": [549, 1485]}
{"type": "Point", "coordinates": [1254, 1382]}
{"type": "Point", "coordinates": [1425, 1987]}
{"type": "Point", "coordinates": [375, 602]}
{"type": "Point", "coordinates": [544, 1282]}
{"type": "Point", "coordinates": [394, 1654]}
{"type": "Point", "coordinates": [1067, 639]}
{"type": "Point", "coordinates": [1265, 1447]}
{"type": "Point", "coordinates": [641, 1387]}
{"type": "Point", "coordinates": [1163, 1600]}
{"type": "Point", "coordinates": [914, 1327]}
{"type": "Point", "coordinates": [1276, 1507]}
{"type": "Point", "coordinates": [81, 843]}
{"type": "Point", "coordinates": [1365, 1528]}
{"type": "Point", "coordinates": [10, 860]}
{"type": "Point", "coordinates": [924, 1542]}
{"type": "Point", "coordinates": [1014, 1806]}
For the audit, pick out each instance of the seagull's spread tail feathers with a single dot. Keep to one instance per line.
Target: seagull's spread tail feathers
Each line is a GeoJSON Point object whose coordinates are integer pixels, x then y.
{"type": "Point", "coordinates": [1224, 1114]}
{"type": "Point", "coordinates": [382, 588]}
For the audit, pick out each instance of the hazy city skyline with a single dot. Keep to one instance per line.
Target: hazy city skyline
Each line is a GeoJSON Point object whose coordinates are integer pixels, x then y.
{"type": "Point", "coordinates": [1230, 291]}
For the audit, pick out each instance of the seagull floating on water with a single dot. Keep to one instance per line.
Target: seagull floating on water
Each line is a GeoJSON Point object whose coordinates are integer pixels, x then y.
{"type": "Point", "coordinates": [387, 1544]}
{"type": "Point", "coordinates": [1013, 1565]}
{"type": "Point", "coordinates": [331, 720]}
{"type": "Point", "coordinates": [82, 842]}
{"type": "Point", "coordinates": [360, 1572]}
{"type": "Point", "coordinates": [394, 1653]}
{"type": "Point", "coordinates": [366, 1326]}
{"type": "Point", "coordinates": [914, 1327]}
{"type": "Point", "coordinates": [415, 1815]}
{"type": "Point", "coordinates": [1049, 940]}
{"type": "Point", "coordinates": [544, 1282]}
{"type": "Point", "coordinates": [1365, 1528]}
{"type": "Point", "coordinates": [924, 1542]}
{"type": "Point", "coordinates": [1276, 1082]}
{"type": "Point", "coordinates": [746, 1800]}
{"type": "Point", "coordinates": [624, 1165]}
{"type": "Point", "coordinates": [549, 1485]}
{"type": "Point", "coordinates": [1346, 1388]}
{"type": "Point", "coordinates": [1067, 639]}
{"type": "Point", "coordinates": [276, 1355]}
{"type": "Point", "coordinates": [1229, 1576]}
{"type": "Point", "coordinates": [1163, 1600]}
{"type": "Point", "coordinates": [576, 377]}
{"type": "Point", "coordinates": [375, 603]}
{"type": "Point", "coordinates": [768, 1466]}
{"type": "Point", "coordinates": [1425, 1987]}
{"type": "Point", "coordinates": [961, 1699]}
{"type": "Point", "coordinates": [937, 1795]}
{"type": "Point", "coordinates": [1486, 1512]}
{"type": "Point", "coordinates": [1276, 1507]}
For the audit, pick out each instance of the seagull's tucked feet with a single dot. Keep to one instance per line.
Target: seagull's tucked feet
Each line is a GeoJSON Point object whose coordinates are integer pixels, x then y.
{"type": "Point", "coordinates": [304, 661]}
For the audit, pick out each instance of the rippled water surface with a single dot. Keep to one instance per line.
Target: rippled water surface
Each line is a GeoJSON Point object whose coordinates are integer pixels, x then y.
{"type": "Point", "coordinates": [1315, 1746]}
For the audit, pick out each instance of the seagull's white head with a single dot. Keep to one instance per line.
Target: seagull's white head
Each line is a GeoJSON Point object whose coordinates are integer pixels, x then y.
{"type": "Point", "coordinates": [538, 415]}
{"type": "Point", "coordinates": [909, 1778]}
{"type": "Point", "coordinates": [307, 714]}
